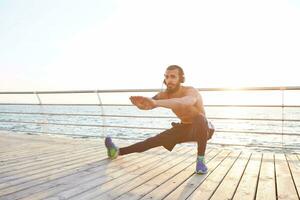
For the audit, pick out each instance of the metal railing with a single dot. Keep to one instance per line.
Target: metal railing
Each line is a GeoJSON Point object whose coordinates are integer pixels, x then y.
{"type": "Point", "coordinates": [40, 102]}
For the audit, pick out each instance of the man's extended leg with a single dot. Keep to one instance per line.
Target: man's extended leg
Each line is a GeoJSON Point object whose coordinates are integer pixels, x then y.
{"type": "Point", "coordinates": [141, 146]}
{"type": "Point", "coordinates": [168, 139]}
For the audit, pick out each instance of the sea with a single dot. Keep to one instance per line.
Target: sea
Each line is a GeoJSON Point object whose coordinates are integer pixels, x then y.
{"type": "Point", "coordinates": [257, 132]}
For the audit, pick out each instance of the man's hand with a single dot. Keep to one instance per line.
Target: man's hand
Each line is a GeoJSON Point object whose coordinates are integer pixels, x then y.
{"type": "Point", "coordinates": [143, 103]}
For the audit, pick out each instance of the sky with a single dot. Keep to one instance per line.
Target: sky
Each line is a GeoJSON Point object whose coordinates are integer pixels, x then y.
{"type": "Point", "coordinates": [115, 44]}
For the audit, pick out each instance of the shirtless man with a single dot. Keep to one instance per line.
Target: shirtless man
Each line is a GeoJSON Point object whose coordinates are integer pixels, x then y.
{"type": "Point", "coordinates": [186, 103]}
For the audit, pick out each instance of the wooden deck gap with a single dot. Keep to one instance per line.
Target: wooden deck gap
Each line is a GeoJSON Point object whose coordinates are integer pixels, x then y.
{"type": "Point", "coordinates": [206, 175]}
{"type": "Point", "coordinates": [241, 176]}
{"type": "Point", "coordinates": [225, 175]}
{"type": "Point", "coordinates": [256, 188]}
{"type": "Point", "coordinates": [293, 179]}
{"type": "Point", "coordinates": [276, 185]}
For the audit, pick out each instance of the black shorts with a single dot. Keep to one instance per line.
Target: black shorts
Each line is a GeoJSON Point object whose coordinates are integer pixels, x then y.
{"type": "Point", "coordinates": [200, 130]}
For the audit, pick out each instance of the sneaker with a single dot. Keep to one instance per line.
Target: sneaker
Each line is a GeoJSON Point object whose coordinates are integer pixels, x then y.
{"type": "Point", "coordinates": [112, 149]}
{"type": "Point", "coordinates": [201, 167]}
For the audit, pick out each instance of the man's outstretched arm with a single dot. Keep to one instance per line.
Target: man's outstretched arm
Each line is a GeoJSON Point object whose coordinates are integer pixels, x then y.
{"type": "Point", "coordinates": [174, 103]}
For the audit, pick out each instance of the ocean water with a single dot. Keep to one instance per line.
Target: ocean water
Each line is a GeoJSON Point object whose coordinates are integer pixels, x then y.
{"type": "Point", "coordinates": [234, 132]}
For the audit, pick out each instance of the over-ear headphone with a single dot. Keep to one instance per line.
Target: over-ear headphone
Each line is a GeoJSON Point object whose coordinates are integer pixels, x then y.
{"type": "Point", "coordinates": [180, 70]}
{"type": "Point", "coordinates": [182, 79]}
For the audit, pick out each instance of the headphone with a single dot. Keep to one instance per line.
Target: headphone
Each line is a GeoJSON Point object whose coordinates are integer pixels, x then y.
{"type": "Point", "coordinates": [181, 73]}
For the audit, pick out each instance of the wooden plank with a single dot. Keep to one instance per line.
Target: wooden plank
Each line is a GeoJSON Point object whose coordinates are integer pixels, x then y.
{"type": "Point", "coordinates": [44, 146]}
{"type": "Point", "coordinates": [163, 170]}
{"type": "Point", "coordinates": [38, 138]}
{"type": "Point", "coordinates": [56, 162]}
{"type": "Point", "coordinates": [294, 165]}
{"type": "Point", "coordinates": [7, 150]}
{"type": "Point", "coordinates": [49, 140]}
{"type": "Point", "coordinates": [246, 189]}
{"type": "Point", "coordinates": [46, 160]}
{"type": "Point", "coordinates": [162, 190]}
{"type": "Point", "coordinates": [22, 165]}
{"type": "Point", "coordinates": [46, 177]}
{"type": "Point", "coordinates": [22, 139]}
{"type": "Point", "coordinates": [42, 175]}
{"type": "Point", "coordinates": [69, 183]}
{"type": "Point", "coordinates": [17, 177]}
{"type": "Point", "coordinates": [188, 174]}
{"type": "Point", "coordinates": [45, 142]}
{"type": "Point", "coordinates": [101, 169]}
{"type": "Point", "coordinates": [203, 186]}
{"type": "Point", "coordinates": [161, 179]}
{"type": "Point", "coordinates": [25, 150]}
{"type": "Point", "coordinates": [172, 160]}
{"type": "Point", "coordinates": [117, 178]}
{"type": "Point", "coordinates": [35, 148]}
{"type": "Point", "coordinates": [228, 186]}
{"type": "Point", "coordinates": [53, 149]}
{"type": "Point", "coordinates": [30, 152]}
{"type": "Point", "coordinates": [35, 169]}
{"type": "Point", "coordinates": [266, 183]}
{"type": "Point", "coordinates": [285, 187]}
{"type": "Point", "coordinates": [17, 156]}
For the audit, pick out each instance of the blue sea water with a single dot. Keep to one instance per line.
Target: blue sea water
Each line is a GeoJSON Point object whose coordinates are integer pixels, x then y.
{"type": "Point", "coordinates": [227, 131]}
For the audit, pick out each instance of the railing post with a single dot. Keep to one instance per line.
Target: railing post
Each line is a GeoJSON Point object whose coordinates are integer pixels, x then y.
{"type": "Point", "coordinates": [282, 117]}
{"type": "Point", "coordinates": [39, 99]}
{"type": "Point", "coordinates": [102, 112]}
{"type": "Point", "coordinates": [45, 120]}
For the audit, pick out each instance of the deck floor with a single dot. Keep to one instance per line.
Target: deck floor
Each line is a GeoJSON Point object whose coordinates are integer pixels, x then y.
{"type": "Point", "coordinates": [45, 167]}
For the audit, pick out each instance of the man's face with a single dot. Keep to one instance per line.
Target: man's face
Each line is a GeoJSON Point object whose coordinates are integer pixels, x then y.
{"type": "Point", "coordinates": [172, 80]}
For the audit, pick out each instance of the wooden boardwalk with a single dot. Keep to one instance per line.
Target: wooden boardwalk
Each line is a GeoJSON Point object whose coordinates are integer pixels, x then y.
{"type": "Point", "coordinates": [44, 167]}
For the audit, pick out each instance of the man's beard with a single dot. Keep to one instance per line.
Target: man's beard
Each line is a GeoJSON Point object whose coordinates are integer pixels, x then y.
{"type": "Point", "coordinates": [173, 90]}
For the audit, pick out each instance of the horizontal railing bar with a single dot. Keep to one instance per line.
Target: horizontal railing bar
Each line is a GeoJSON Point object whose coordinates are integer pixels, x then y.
{"type": "Point", "coordinates": [259, 133]}
{"type": "Point", "coordinates": [137, 127]}
{"type": "Point", "coordinates": [52, 133]}
{"type": "Point", "coordinates": [118, 137]}
{"type": "Point", "coordinates": [251, 88]}
{"type": "Point", "coordinates": [83, 91]}
{"type": "Point", "coordinates": [84, 125]}
{"type": "Point", "coordinates": [140, 116]}
{"type": "Point", "coordinates": [150, 90]}
{"type": "Point", "coordinates": [88, 115]}
{"type": "Point", "coordinates": [255, 106]}
{"type": "Point", "coordinates": [254, 119]}
{"type": "Point", "coordinates": [34, 104]}
{"type": "Point", "coordinates": [76, 135]}
{"type": "Point", "coordinates": [254, 145]}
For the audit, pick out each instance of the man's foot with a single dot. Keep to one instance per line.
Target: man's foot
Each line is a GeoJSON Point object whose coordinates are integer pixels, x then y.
{"type": "Point", "coordinates": [112, 149]}
{"type": "Point", "coordinates": [201, 167]}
